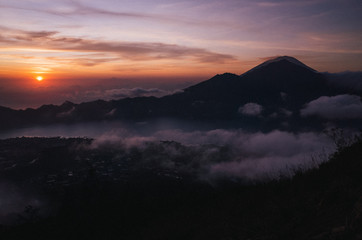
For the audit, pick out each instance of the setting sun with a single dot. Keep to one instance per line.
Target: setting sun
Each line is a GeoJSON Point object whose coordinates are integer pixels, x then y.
{"type": "Point", "coordinates": [39, 78]}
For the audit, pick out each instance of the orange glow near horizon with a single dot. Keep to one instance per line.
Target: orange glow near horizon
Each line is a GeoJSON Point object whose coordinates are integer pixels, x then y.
{"type": "Point", "coordinates": [39, 78]}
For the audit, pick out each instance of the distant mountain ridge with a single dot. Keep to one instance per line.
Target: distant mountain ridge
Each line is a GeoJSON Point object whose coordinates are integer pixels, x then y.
{"type": "Point", "coordinates": [280, 86]}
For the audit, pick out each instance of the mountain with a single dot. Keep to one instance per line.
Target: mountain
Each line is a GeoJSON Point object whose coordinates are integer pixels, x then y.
{"type": "Point", "coordinates": [278, 89]}
{"type": "Point", "coordinates": [282, 82]}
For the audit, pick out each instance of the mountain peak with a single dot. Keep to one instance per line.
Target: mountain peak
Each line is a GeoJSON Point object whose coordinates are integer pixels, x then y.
{"type": "Point", "coordinates": [289, 59]}
{"type": "Point", "coordinates": [280, 59]}
{"type": "Point", "coordinates": [67, 104]}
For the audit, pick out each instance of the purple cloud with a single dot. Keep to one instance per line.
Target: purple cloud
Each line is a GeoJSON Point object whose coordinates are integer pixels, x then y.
{"type": "Point", "coordinates": [135, 51]}
{"type": "Point", "coordinates": [118, 93]}
{"type": "Point", "coordinates": [251, 156]}
{"type": "Point", "coordinates": [251, 109]}
{"type": "Point", "coordinates": [336, 107]}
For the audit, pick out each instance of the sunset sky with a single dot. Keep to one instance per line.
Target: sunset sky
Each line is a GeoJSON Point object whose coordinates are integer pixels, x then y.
{"type": "Point", "coordinates": [90, 49]}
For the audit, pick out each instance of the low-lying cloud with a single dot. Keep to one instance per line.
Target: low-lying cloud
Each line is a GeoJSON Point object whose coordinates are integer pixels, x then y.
{"type": "Point", "coordinates": [336, 107]}
{"type": "Point", "coordinates": [208, 154]}
{"type": "Point", "coordinates": [76, 94]}
{"type": "Point", "coordinates": [118, 93]}
{"type": "Point", "coordinates": [251, 109]}
{"type": "Point", "coordinates": [227, 153]}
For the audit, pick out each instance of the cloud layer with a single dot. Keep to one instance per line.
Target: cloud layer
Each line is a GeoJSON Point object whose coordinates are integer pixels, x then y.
{"type": "Point", "coordinates": [119, 93]}
{"type": "Point", "coordinates": [224, 153]}
{"type": "Point", "coordinates": [251, 109]}
{"type": "Point", "coordinates": [336, 107]}
{"type": "Point", "coordinates": [209, 153]}
{"type": "Point", "coordinates": [135, 51]}
{"type": "Point", "coordinates": [77, 94]}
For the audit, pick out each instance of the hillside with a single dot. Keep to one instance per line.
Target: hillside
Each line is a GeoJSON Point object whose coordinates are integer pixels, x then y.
{"type": "Point", "coordinates": [146, 203]}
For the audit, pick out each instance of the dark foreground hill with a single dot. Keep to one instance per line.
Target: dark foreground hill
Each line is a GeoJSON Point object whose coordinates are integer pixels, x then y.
{"type": "Point", "coordinates": [323, 203]}
{"type": "Point", "coordinates": [280, 88]}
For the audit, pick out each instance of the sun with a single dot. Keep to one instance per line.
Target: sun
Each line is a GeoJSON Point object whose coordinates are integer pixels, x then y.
{"type": "Point", "coordinates": [39, 78]}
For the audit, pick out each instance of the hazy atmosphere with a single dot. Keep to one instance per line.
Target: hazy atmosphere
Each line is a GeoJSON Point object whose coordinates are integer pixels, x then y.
{"type": "Point", "coordinates": [84, 50]}
{"type": "Point", "coordinates": [174, 120]}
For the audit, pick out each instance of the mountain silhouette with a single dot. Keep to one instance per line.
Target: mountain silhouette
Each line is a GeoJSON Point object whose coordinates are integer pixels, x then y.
{"type": "Point", "coordinates": [279, 86]}
{"type": "Point", "coordinates": [281, 82]}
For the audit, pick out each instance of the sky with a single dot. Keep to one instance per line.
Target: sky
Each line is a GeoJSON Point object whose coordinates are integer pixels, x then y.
{"type": "Point", "coordinates": [90, 49]}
